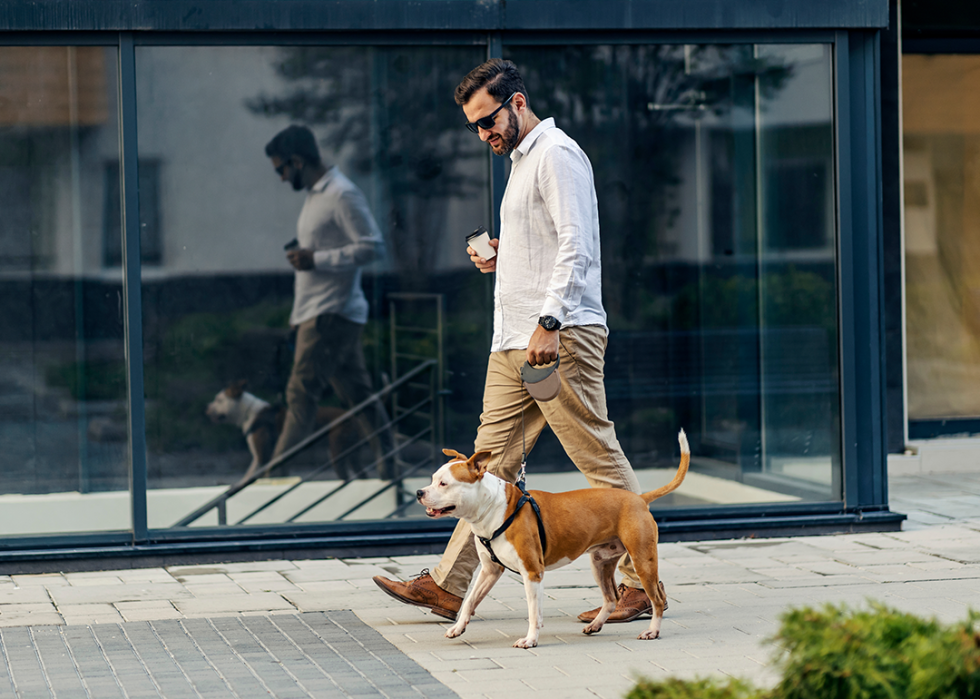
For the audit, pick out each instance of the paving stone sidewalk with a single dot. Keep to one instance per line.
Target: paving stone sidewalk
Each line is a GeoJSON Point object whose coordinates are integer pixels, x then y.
{"type": "Point", "coordinates": [322, 628]}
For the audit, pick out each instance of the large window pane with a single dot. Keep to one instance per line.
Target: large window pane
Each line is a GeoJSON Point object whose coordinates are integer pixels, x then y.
{"type": "Point", "coordinates": [714, 170]}
{"type": "Point", "coordinates": [218, 291]}
{"type": "Point", "coordinates": [942, 235]}
{"type": "Point", "coordinates": [63, 410]}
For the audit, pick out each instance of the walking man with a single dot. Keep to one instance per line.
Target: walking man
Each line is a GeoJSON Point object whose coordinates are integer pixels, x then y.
{"type": "Point", "coordinates": [547, 304]}
{"type": "Point", "coordinates": [336, 236]}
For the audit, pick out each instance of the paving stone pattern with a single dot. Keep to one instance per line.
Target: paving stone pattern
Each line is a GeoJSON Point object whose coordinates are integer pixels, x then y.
{"type": "Point", "coordinates": [313, 654]}
{"type": "Point", "coordinates": [322, 628]}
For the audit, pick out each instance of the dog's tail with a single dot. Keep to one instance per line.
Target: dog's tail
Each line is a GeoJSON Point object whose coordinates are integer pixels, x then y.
{"type": "Point", "coordinates": [678, 477]}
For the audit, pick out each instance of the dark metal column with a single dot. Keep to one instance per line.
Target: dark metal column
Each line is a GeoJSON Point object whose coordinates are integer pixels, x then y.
{"type": "Point", "coordinates": [132, 287]}
{"type": "Point", "coordinates": [861, 273]}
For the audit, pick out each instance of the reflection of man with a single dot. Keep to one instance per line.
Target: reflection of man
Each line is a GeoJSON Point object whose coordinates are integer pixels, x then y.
{"type": "Point", "coordinates": [548, 303]}
{"type": "Point", "coordinates": [336, 236]}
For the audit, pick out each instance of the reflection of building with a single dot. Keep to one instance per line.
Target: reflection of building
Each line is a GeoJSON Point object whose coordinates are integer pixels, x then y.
{"type": "Point", "coordinates": [739, 214]}
{"type": "Point", "coordinates": [940, 149]}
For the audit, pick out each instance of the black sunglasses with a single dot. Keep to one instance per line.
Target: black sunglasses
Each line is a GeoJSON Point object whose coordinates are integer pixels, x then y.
{"type": "Point", "coordinates": [282, 168]}
{"type": "Point", "coordinates": [486, 123]}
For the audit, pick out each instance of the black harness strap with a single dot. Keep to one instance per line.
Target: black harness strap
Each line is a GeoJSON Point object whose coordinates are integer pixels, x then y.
{"type": "Point", "coordinates": [526, 497]}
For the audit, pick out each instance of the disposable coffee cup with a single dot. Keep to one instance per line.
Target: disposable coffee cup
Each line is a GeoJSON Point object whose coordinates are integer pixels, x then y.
{"type": "Point", "coordinates": [479, 240]}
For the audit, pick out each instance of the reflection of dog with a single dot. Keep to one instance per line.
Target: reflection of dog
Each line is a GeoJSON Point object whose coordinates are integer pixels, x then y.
{"type": "Point", "coordinates": [261, 423]}
{"type": "Point", "coordinates": [605, 522]}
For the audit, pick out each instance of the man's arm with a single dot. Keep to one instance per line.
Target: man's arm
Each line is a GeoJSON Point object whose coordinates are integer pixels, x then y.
{"type": "Point", "coordinates": [366, 243]}
{"type": "Point", "coordinates": [565, 181]}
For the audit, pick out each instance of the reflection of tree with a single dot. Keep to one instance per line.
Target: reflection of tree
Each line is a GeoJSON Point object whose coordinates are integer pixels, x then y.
{"type": "Point", "coordinates": [629, 107]}
{"type": "Point", "coordinates": [389, 113]}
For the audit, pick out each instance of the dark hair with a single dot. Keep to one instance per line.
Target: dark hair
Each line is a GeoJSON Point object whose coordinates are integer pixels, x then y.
{"type": "Point", "coordinates": [294, 140]}
{"type": "Point", "coordinates": [499, 76]}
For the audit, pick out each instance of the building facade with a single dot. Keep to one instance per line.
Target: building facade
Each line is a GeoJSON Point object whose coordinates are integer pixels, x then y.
{"type": "Point", "coordinates": [737, 150]}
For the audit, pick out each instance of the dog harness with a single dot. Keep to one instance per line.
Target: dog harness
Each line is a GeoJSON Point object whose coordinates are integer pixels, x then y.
{"type": "Point", "coordinates": [526, 497]}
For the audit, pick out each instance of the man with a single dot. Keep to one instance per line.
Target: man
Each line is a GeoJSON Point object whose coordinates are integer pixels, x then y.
{"type": "Point", "coordinates": [548, 303]}
{"type": "Point", "coordinates": [336, 237]}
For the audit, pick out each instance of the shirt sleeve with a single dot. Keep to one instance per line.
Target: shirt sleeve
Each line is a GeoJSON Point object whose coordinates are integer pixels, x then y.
{"type": "Point", "coordinates": [565, 182]}
{"type": "Point", "coordinates": [365, 241]}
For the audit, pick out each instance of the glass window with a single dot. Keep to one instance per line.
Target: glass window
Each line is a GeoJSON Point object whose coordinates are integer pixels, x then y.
{"type": "Point", "coordinates": [402, 183]}
{"type": "Point", "coordinates": [941, 130]}
{"type": "Point", "coordinates": [715, 178]}
{"type": "Point", "coordinates": [63, 409]}
{"type": "Point", "coordinates": [714, 167]}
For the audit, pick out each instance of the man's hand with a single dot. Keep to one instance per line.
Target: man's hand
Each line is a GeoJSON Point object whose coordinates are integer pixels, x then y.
{"type": "Point", "coordinates": [301, 259]}
{"type": "Point", "coordinates": [543, 347]}
{"type": "Point", "coordinates": [484, 265]}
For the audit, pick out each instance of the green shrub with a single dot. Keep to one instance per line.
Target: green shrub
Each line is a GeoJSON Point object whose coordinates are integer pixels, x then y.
{"type": "Point", "coordinates": [842, 653]}
{"type": "Point", "coordinates": [692, 689]}
{"type": "Point", "coordinates": [876, 653]}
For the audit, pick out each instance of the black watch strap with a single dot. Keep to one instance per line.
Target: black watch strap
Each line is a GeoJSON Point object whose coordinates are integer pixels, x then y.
{"type": "Point", "coordinates": [549, 323]}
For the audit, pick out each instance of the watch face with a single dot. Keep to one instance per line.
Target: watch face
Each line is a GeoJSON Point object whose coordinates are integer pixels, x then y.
{"type": "Point", "coordinates": [548, 323]}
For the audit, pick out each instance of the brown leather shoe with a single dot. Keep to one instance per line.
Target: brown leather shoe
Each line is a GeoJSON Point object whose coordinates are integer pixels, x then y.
{"type": "Point", "coordinates": [633, 603]}
{"type": "Point", "coordinates": [422, 591]}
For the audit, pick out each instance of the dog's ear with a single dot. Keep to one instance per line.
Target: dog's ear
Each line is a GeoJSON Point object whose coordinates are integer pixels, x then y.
{"type": "Point", "coordinates": [236, 388]}
{"type": "Point", "coordinates": [480, 461]}
{"type": "Point", "coordinates": [454, 454]}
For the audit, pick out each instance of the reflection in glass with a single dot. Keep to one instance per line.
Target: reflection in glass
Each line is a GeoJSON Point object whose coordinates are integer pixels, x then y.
{"type": "Point", "coordinates": [714, 171]}
{"type": "Point", "coordinates": [218, 295]}
{"type": "Point", "coordinates": [63, 414]}
{"type": "Point", "coordinates": [942, 253]}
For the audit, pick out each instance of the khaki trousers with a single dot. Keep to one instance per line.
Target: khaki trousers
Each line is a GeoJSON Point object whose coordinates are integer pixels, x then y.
{"type": "Point", "coordinates": [329, 353]}
{"type": "Point", "coordinates": [578, 418]}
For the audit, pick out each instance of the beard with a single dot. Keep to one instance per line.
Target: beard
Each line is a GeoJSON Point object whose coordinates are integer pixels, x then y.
{"type": "Point", "coordinates": [508, 140]}
{"type": "Point", "coordinates": [296, 179]}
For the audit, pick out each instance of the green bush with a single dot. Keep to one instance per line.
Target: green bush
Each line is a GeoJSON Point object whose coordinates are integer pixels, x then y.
{"type": "Point", "coordinates": [841, 653]}
{"type": "Point", "coordinates": [692, 689]}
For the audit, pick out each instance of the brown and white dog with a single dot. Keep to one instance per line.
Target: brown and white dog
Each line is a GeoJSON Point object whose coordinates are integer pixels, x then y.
{"type": "Point", "coordinates": [261, 423]}
{"type": "Point", "coordinates": [605, 522]}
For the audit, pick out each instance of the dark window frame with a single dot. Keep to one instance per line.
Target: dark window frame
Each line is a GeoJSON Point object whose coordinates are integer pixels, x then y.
{"type": "Point", "coordinates": [857, 186]}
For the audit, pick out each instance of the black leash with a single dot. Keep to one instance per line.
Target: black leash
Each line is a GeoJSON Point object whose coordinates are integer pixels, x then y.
{"type": "Point", "coordinates": [525, 498]}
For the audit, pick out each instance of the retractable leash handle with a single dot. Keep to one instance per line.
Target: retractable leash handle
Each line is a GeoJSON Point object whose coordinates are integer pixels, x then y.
{"type": "Point", "coordinates": [542, 384]}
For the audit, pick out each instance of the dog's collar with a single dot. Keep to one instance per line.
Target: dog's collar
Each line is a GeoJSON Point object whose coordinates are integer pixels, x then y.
{"type": "Point", "coordinates": [525, 497]}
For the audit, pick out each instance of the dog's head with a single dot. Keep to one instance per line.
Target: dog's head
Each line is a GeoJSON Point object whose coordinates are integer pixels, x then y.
{"type": "Point", "coordinates": [454, 488]}
{"type": "Point", "coordinates": [224, 407]}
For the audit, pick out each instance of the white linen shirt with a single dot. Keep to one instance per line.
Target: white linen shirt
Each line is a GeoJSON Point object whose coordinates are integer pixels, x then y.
{"type": "Point", "coordinates": [337, 225]}
{"type": "Point", "coordinates": [548, 261]}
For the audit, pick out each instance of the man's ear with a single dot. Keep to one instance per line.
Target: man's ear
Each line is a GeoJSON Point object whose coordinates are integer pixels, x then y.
{"type": "Point", "coordinates": [297, 162]}
{"type": "Point", "coordinates": [454, 454]}
{"type": "Point", "coordinates": [519, 101]}
{"type": "Point", "coordinates": [480, 461]}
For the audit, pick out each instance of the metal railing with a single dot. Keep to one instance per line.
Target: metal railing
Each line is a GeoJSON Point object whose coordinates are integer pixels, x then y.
{"type": "Point", "coordinates": [404, 437]}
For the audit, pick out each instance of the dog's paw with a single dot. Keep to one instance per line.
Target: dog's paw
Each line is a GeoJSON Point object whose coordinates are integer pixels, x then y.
{"type": "Point", "coordinates": [455, 630]}
{"type": "Point", "coordinates": [526, 643]}
{"type": "Point", "coordinates": [592, 628]}
{"type": "Point", "coordinates": [648, 635]}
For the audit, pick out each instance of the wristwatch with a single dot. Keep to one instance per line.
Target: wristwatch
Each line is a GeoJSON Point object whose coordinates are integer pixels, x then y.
{"type": "Point", "coordinates": [549, 323]}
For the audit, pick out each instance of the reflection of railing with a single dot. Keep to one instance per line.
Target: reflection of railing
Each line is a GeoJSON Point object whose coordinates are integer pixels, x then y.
{"type": "Point", "coordinates": [401, 424]}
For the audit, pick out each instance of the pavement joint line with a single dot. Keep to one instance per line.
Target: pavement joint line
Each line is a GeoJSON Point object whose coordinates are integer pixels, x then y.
{"type": "Point", "coordinates": [729, 596]}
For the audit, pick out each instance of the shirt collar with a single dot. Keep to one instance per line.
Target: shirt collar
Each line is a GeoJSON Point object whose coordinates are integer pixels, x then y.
{"type": "Point", "coordinates": [321, 184]}
{"type": "Point", "coordinates": [524, 146]}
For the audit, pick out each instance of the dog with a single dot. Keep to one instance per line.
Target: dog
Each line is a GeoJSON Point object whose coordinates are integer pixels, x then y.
{"type": "Point", "coordinates": [261, 423]}
{"type": "Point", "coordinates": [605, 522]}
